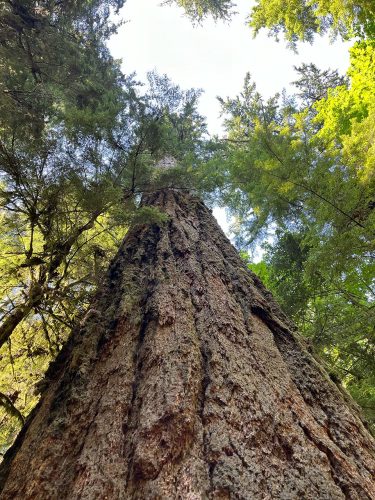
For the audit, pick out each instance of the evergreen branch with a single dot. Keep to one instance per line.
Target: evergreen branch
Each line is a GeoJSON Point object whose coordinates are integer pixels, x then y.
{"type": "Point", "coordinates": [308, 188]}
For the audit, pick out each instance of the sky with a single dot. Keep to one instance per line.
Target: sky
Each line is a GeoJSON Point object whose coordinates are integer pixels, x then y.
{"type": "Point", "coordinates": [213, 56]}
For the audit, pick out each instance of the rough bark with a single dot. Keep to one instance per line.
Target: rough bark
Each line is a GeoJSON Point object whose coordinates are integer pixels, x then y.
{"type": "Point", "coordinates": [185, 380]}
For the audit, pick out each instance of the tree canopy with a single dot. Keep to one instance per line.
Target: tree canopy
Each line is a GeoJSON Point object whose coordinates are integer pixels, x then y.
{"type": "Point", "coordinates": [302, 20]}
{"type": "Point", "coordinates": [297, 20]}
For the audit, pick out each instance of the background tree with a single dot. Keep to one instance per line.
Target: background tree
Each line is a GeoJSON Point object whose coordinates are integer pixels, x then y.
{"type": "Point", "coordinates": [302, 20]}
{"type": "Point", "coordinates": [292, 170]}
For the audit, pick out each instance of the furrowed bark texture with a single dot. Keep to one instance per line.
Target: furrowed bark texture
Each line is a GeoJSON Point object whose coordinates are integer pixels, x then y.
{"type": "Point", "coordinates": [186, 381]}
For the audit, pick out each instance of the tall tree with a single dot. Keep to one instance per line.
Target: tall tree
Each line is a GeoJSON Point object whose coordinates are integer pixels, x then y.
{"type": "Point", "coordinates": [185, 380]}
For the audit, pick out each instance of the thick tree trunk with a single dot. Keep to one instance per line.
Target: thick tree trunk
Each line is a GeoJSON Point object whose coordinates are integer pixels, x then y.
{"type": "Point", "coordinates": [186, 381]}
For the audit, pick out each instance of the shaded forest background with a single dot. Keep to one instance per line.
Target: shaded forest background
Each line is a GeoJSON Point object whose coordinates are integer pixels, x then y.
{"type": "Point", "coordinates": [80, 142]}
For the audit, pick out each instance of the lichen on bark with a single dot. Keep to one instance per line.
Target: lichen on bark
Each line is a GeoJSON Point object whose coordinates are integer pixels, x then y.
{"type": "Point", "coordinates": [188, 382]}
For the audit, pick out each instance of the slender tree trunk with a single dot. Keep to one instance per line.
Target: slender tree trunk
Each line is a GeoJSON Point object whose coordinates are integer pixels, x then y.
{"type": "Point", "coordinates": [186, 381]}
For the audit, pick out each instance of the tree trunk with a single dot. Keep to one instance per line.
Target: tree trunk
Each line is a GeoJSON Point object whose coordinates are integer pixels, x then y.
{"type": "Point", "coordinates": [185, 380]}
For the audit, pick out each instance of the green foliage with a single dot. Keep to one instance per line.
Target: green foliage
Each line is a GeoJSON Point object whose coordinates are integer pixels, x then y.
{"type": "Point", "coordinates": [173, 125]}
{"type": "Point", "coordinates": [149, 215]}
{"type": "Point", "coordinates": [345, 116]}
{"type": "Point", "coordinates": [302, 19]}
{"type": "Point", "coordinates": [297, 20]}
{"type": "Point", "coordinates": [199, 9]}
{"type": "Point", "coordinates": [56, 66]}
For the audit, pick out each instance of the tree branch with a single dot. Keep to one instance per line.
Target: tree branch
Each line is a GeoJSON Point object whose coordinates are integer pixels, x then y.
{"type": "Point", "coordinates": [7, 403]}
